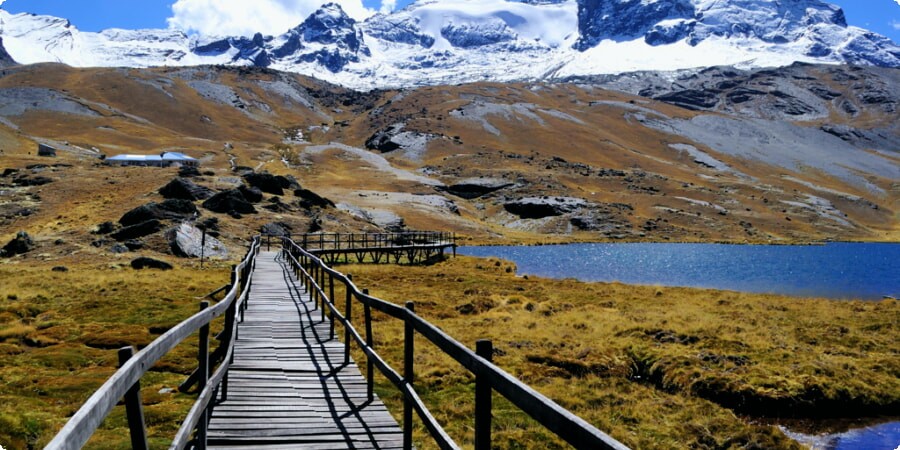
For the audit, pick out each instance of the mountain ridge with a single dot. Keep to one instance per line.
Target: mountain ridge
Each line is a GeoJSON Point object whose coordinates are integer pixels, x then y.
{"type": "Point", "coordinates": [452, 41]}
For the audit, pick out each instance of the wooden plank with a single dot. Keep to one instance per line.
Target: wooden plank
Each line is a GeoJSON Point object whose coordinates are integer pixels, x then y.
{"type": "Point", "coordinates": [288, 385]}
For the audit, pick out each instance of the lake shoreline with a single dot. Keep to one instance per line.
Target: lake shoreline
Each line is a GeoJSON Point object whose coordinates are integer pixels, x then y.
{"type": "Point", "coordinates": [766, 355]}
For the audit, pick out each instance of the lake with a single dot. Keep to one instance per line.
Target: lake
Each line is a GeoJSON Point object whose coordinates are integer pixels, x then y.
{"type": "Point", "coordinates": [834, 270]}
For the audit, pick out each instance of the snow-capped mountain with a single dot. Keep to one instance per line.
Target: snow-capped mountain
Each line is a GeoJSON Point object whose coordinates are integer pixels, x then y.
{"type": "Point", "coordinates": [452, 41]}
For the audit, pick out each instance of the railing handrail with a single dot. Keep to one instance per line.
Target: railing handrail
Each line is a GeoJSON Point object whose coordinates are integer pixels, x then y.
{"type": "Point", "coordinates": [82, 425]}
{"type": "Point", "coordinates": [569, 427]}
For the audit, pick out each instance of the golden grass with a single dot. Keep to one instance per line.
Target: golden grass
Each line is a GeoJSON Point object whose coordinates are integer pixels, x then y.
{"type": "Point", "coordinates": [59, 333]}
{"type": "Point", "coordinates": [655, 367]}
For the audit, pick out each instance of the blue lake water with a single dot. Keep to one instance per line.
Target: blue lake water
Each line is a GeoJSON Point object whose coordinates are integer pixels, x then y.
{"type": "Point", "coordinates": [834, 270]}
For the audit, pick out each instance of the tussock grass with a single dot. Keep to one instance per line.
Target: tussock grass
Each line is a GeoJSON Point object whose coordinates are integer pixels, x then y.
{"type": "Point", "coordinates": [655, 367]}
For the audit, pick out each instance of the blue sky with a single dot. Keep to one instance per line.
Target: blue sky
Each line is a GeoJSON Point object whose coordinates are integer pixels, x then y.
{"type": "Point", "coordinates": [881, 16]}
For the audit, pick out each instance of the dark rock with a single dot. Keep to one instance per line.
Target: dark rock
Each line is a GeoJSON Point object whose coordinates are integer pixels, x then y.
{"type": "Point", "coordinates": [188, 241]}
{"type": "Point", "coordinates": [209, 224]}
{"type": "Point", "coordinates": [171, 209]}
{"type": "Point", "coordinates": [134, 244]}
{"type": "Point", "coordinates": [105, 228]}
{"type": "Point", "coordinates": [251, 194]}
{"type": "Point", "coordinates": [149, 263]}
{"type": "Point", "coordinates": [189, 172]}
{"type": "Point", "coordinates": [60, 269]}
{"type": "Point", "coordinates": [119, 249]}
{"type": "Point", "coordinates": [272, 184]}
{"type": "Point", "coordinates": [99, 243]}
{"type": "Point", "coordinates": [593, 222]}
{"type": "Point", "coordinates": [7, 172]}
{"type": "Point", "coordinates": [276, 229]}
{"type": "Point", "coordinates": [21, 244]}
{"type": "Point", "coordinates": [242, 170]}
{"type": "Point", "coordinates": [476, 187]}
{"type": "Point", "coordinates": [138, 230]}
{"type": "Point", "coordinates": [540, 207]}
{"type": "Point", "coordinates": [46, 150]}
{"type": "Point", "coordinates": [32, 181]}
{"type": "Point", "coordinates": [382, 139]}
{"type": "Point", "coordinates": [229, 202]}
{"type": "Point", "coordinates": [181, 188]}
{"type": "Point", "coordinates": [276, 205]}
{"type": "Point", "coordinates": [309, 199]}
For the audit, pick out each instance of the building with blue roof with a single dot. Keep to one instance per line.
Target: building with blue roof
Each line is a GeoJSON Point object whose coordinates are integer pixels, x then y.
{"type": "Point", "coordinates": [164, 159]}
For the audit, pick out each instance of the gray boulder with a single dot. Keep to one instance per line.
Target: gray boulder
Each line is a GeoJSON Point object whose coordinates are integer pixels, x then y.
{"type": "Point", "coordinates": [187, 241]}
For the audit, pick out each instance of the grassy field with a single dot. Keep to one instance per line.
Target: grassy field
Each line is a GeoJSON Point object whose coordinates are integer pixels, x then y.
{"type": "Point", "coordinates": [59, 332]}
{"type": "Point", "coordinates": [654, 367]}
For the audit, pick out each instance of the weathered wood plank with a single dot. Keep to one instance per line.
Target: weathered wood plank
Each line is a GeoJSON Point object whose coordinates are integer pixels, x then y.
{"type": "Point", "coordinates": [288, 385]}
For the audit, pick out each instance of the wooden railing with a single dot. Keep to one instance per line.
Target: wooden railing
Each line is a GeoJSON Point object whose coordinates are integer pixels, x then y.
{"type": "Point", "coordinates": [316, 242]}
{"type": "Point", "coordinates": [317, 277]}
{"type": "Point", "coordinates": [125, 383]}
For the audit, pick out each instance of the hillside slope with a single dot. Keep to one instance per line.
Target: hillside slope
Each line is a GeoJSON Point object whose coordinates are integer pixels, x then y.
{"type": "Point", "coordinates": [496, 162]}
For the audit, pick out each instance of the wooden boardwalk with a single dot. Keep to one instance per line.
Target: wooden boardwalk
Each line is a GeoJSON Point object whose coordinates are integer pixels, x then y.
{"type": "Point", "coordinates": [288, 386]}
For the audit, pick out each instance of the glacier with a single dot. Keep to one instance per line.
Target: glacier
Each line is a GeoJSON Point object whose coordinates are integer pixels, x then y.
{"type": "Point", "coordinates": [457, 41]}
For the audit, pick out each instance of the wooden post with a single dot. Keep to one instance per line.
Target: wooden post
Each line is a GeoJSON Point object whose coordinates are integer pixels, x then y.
{"type": "Point", "coordinates": [370, 365]}
{"type": "Point", "coordinates": [134, 409]}
{"type": "Point", "coordinates": [408, 374]}
{"type": "Point", "coordinates": [203, 360]}
{"type": "Point", "coordinates": [331, 300]}
{"type": "Point", "coordinates": [348, 314]}
{"type": "Point", "coordinates": [485, 349]}
{"type": "Point", "coordinates": [202, 245]}
{"type": "Point", "coordinates": [314, 292]}
{"type": "Point", "coordinates": [321, 283]}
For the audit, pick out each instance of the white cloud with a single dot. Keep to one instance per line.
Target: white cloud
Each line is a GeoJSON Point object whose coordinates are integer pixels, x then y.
{"type": "Point", "coordinates": [388, 6]}
{"type": "Point", "coordinates": [243, 18]}
{"type": "Point", "coordinates": [896, 23]}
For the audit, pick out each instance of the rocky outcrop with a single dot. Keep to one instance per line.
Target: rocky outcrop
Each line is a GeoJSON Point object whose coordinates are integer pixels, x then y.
{"type": "Point", "coordinates": [21, 244]}
{"type": "Point", "coordinates": [172, 209]}
{"type": "Point", "coordinates": [229, 202]}
{"type": "Point", "coordinates": [271, 184]}
{"type": "Point", "coordinates": [188, 241]}
{"type": "Point", "coordinates": [184, 189]}
{"type": "Point", "coordinates": [150, 263]}
{"type": "Point", "coordinates": [540, 207]}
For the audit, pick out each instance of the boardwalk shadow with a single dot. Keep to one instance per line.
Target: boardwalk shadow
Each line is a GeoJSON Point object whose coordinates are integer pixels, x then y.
{"type": "Point", "coordinates": [330, 367]}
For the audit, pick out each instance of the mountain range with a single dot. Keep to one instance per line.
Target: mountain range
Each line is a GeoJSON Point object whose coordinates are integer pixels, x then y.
{"type": "Point", "coordinates": [454, 41]}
